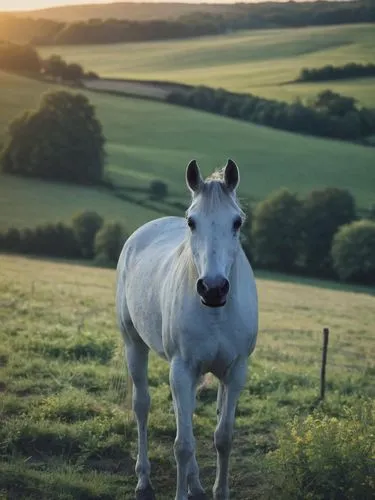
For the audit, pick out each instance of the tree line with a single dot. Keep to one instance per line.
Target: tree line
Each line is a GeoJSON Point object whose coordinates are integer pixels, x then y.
{"type": "Point", "coordinates": [26, 60]}
{"type": "Point", "coordinates": [87, 236]}
{"type": "Point", "coordinates": [319, 236]}
{"type": "Point", "coordinates": [237, 17]}
{"type": "Point", "coordinates": [328, 115]}
{"type": "Point", "coordinates": [329, 72]}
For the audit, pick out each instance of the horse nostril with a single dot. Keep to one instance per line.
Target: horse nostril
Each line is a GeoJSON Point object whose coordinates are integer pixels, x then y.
{"type": "Point", "coordinates": [224, 289]}
{"type": "Point", "coordinates": [201, 286]}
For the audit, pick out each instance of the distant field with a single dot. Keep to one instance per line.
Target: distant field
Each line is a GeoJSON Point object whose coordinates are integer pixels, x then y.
{"type": "Point", "coordinates": [143, 11]}
{"type": "Point", "coordinates": [253, 61]}
{"type": "Point", "coordinates": [151, 140]}
{"type": "Point", "coordinates": [27, 202]}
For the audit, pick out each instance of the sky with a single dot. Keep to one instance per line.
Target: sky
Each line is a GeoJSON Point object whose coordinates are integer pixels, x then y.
{"type": "Point", "coordinates": [41, 4]}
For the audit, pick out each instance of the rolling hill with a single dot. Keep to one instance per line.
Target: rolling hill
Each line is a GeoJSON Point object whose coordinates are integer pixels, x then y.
{"type": "Point", "coordinates": [149, 140]}
{"type": "Point", "coordinates": [136, 11]}
{"type": "Point", "coordinates": [258, 61]}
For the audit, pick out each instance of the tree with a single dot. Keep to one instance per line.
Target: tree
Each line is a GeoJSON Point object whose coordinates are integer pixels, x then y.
{"type": "Point", "coordinates": [85, 226]}
{"type": "Point", "coordinates": [353, 252]}
{"type": "Point", "coordinates": [19, 58]}
{"type": "Point", "coordinates": [276, 231]}
{"type": "Point", "coordinates": [109, 241]}
{"type": "Point", "coordinates": [333, 103]}
{"type": "Point", "coordinates": [324, 211]}
{"type": "Point", "coordinates": [158, 190]}
{"type": "Point", "coordinates": [62, 140]}
{"type": "Point", "coordinates": [246, 231]}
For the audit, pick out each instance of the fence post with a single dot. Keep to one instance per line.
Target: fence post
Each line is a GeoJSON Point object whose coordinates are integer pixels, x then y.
{"type": "Point", "coordinates": [324, 362]}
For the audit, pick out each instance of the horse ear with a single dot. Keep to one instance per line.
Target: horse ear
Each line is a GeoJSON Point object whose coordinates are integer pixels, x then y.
{"type": "Point", "coordinates": [194, 180]}
{"type": "Point", "coordinates": [231, 175]}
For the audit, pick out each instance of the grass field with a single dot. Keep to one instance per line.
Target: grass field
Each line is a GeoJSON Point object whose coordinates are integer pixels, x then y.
{"type": "Point", "coordinates": [143, 11]}
{"type": "Point", "coordinates": [253, 61]}
{"type": "Point", "coordinates": [150, 140]}
{"type": "Point", "coordinates": [65, 432]}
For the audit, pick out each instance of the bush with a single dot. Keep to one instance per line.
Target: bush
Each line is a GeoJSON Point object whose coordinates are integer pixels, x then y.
{"type": "Point", "coordinates": [10, 241]}
{"type": "Point", "coordinates": [353, 252]}
{"type": "Point", "coordinates": [61, 140]}
{"type": "Point", "coordinates": [53, 240]}
{"type": "Point", "coordinates": [86, 225]}
{"type": "Point", "coordinates": [324, 211]}
{"type": "Point", "coordinates": [158, 190]}
{"type": "Point", "coordinates": [276, 231]}
{"type": "Point", "coordinates": [19, 58]}
{"type": "Point", "coordinates": [322, 458]}
{"type": "Point", "coordinates": [109, 241]}
{"type": "Point", "coordinates": [246, 231]}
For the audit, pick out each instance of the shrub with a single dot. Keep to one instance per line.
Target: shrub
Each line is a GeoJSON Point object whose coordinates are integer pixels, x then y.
{"type": "Point", "coordinates": [158, 190]}
{"type": "Point", "coordinates": [276, 231]}
{"type": "Point", "coordinates": [109, 241]}
{"type": "Point", "coordinates": [353, 252]}
{"type": "Point", "coordinates": [324, 211]}
{"type": "Point", "coordinates": [323, 457]}
{"type": "Point", "coordinates": [246, 235]}
{"type": "Point", "coordinates": [85, 225]}
{"type": "Point", "coordinates": [61, 140]}
{"type": "Point", "coordinates": [53, 240]}
{"type": "Point", "coordinates": [11, 240]}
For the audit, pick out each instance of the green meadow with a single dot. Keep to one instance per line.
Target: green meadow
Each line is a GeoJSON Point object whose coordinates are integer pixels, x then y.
{"type": "Point", "coordinates": [66, 431]}
{"type": "Point", "coordinates": [258, 61]}
{"type": "Point", "coordinates": [152, 140]}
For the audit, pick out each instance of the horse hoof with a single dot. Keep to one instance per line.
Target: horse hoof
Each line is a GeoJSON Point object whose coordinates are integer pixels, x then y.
{"type": "Point", "coordinates": [146, 494]}
{"type": "Point", "coordinates": [198, 496]}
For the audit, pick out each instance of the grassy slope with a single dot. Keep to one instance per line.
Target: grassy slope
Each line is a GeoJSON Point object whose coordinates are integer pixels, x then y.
{"type": "Point", "coordinates": [135, 11]}
{"type": "Point", "coordinates": [251, 61]}
{"type": "Point", "coordinates": [65, 432]}
{"type": "Point", "coordinates": [148, 140]}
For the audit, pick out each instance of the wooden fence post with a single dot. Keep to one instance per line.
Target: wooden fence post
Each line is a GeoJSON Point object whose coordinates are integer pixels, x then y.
{"type": "Point", "coordinates": [324, 362]}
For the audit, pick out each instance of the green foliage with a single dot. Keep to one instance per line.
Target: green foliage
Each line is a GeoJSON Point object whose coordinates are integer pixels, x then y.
{"type": "Point", "coordinates": [19, 58]}
{"type": "Point", "coordinates": [158, 190]}
{"type": "Point", "coordinates": [276, 231]}
{"type": "Point", "coordinates": [246, 231]}
{"type": "Point", "coordinates": [329, 72]}
{"type": "Point", "coordinates": [53, 240]}
{"type": "Point", "coordinates": [61, 140]}
{"type": "Point", "coordinates": [109, 241]}
{"type": "Point", "coordinates": [353, 252]}
{"type": "Point", "coordinates": [85, 226]}
{"type": "Point", "coordinates": [10, 241]}
{"type": "Point", "coordinates": [324, 211]}
{"type": "Point", "coordinates": [56, 67]}
{"type": "Point", "coordinates": [329, 115]}
{"type": "Point", "coordinates": [324, 457]}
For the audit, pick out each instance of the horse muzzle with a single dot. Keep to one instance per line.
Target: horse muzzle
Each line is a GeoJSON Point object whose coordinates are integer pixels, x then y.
{"type": "Point", "coordinates": [213, 291]}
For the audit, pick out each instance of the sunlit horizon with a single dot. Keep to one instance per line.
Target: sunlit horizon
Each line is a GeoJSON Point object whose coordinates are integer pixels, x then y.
{"type": "Point", "coordinates": [22, 5]}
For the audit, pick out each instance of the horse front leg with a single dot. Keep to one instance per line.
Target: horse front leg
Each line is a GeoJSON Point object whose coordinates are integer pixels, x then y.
{"type": "Point", "coordinates": [182, 382]}
{"type": "Point", "coordinates": [137, 358]}
{"type": "Point", "coordinates": [228, 395]}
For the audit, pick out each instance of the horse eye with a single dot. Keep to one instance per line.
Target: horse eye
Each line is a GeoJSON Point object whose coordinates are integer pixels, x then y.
{"type": "Point", "coordinates": [191, 223]}
{"type": "Point", "coordinates": [237, 224]}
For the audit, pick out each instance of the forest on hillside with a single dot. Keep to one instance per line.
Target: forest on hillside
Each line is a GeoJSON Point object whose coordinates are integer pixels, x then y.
{"type": "Point", "coordinates": [240, 16]}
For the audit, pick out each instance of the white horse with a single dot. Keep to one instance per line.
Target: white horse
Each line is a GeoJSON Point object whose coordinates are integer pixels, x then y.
{"type": "Point", "coordinates": [186, 290]}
